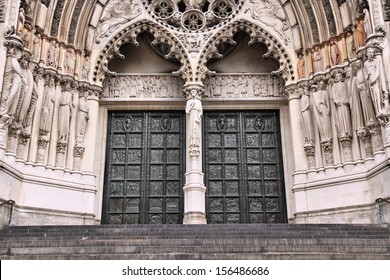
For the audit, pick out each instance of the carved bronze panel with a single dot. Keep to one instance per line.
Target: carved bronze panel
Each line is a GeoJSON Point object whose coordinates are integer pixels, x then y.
{"type": "Point", "coordinates": [144, 168]}
{"type": "Point", "coordinates": [243, 167]}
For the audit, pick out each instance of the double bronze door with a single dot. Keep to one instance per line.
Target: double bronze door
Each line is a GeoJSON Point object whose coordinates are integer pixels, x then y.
{"type": "Point", "coordinates": [242, 159]}
{"type": "Point", "coordinates": [145, 167]}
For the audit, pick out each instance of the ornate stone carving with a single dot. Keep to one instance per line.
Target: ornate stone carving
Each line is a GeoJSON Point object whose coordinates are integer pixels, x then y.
{"type": "Point", "coordinates": [376, 135]}
{"type": "Point", "coordinates": [310, 154]}
{"type": "Point", "coordinates": [116, 13]}
{"type": "Point", "coordinates": [41, 153]}
{"type": "Point", "coordinates": [365, 136]}
{"type": "Point", "coordinates": [61, 149]}
{"type": "Point", "coordinates": [271, 14]}
{"type": "Point", "coordinates": [347, 147]}
{"type": "Point", "coordinates": [194, 112]}
{"type": "Point", "coordinates": [144, 86]}
{"type": "Point", "coordinates": [360, 33]}
{"type": "Point", "coordinates": [22, 145]}
{"type": "Point", "coordinates": [328, 150]}
{"type": "Point", "coordinates": [78, 155]}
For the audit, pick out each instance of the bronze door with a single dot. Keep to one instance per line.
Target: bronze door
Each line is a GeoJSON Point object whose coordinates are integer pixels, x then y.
{"type": "Point", "coordinates": [243, 167]}
{"type": "Point", "coordinates": [144, 168]}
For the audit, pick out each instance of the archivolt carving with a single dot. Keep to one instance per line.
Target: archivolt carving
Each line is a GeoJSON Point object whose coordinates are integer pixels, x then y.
{"type": "Point", "coordinates": [257, 35]}
{"type": "Point", "coordinates": [129, 35]}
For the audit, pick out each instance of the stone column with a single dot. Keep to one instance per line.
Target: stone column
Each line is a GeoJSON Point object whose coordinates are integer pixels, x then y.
{"type": "Point", "coordinates": [299, 152]}
{"type": "Point", "coordinates": [365, 136]}
{"type": "Point", "coordinates": [293, 96]}
{"type": "Point", "coordinates": [194, 189]}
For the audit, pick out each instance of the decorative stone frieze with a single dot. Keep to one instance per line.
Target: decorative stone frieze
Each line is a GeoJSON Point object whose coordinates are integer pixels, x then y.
{"type": "Point", "coordinates": [144, 86]}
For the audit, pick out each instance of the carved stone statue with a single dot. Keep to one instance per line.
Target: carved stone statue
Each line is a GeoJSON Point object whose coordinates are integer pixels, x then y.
{"type": "Point", "coordinates": [367, 22]}
{"type": "Point", "coordinates": [20, 23]}
{"type": "Point", "coordinates": [37, 47]}
{"type": "Point", "coordinates": [82, 119]}
{"type": "Point", "coordinates": [70, 61]}
{"type": "Point", "coordinates": [334, 53]}
{"type": "Point", "coordinates": [318, 65]}
{"type": "Point", "coordinates": [340, 99]}
{"type": "Point", "coordinates": [374, 74]}
{"type": "Point", "coordinates": [360, 33]}
{"type": "Point", "coordinates": [15, 74]}
{"type": "Point", "coordinates": [47, 107]}
{"type": "Point", "coordinates": [194, 111]}
{"type": "Point", "coordinates": [360, 90]}
{"type": "Point", "coordinates": [26, 91]}
{"type": "Point", "coordinates": [65, 113]}
{"type": "Point", "coordinates": [301, 67]}
{"type": "Point", "coordinates": [351, 48]}
{"type": "Point", "coordinates": [86, 68]}
{"type": "Point", "coordinates": [306, 115]}
{"type": "Point", "coordinates": [321, 111]}
{"type": "Point", "coordinates": [52, 54]}
{"type": "Point", "coordinates": [116, 13]}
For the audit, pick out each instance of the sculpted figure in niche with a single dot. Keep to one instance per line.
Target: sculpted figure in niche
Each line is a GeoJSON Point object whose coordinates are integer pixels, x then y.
{"type": "Point", "coordinates": [86, 68]}
{"type": "Point", "coordinates": [116, 13]}
{"type": "Point", "coordinates": [301, 67]}
{"type": "Point", "coordinates": [15, 73]}
{"type": "Point", "coordinates": [70, 61]}
{"type": "Point", "coordinates": [20, 23]}
{"type": "Point", "coordinates": [25, 92]}
{"type": "Point", "coordinates": [367, 22]}
{"type": "Point", "coordinates": [374, 76]}
{"type": "Point", "coordinates": [317, 60]}
{"type": "Point", "coordinates": [351, 45]}
{"type": "Point", "coordinates": [334, 53]}
{"type": "Point", "coordinates": [51, 54]}
{"type": "Point", "coordinates": [340, 99]}
{"type": "Point", "coordinates": [306, 115]}
{"type": "Point", "coordinates": [362, 106]}
{"type": "Point", "coordinates": [47, 107]}
{"type": "Point", "coordinates": [37, 47]}
{"type": "Point", "coordinates": [360, 33]}
{"type": "Point", "coordinates": [65, 113]}
{"type": "Point", "coordinates": [321, 111]}
{"type": "Point", "coordinates": [194, 111]}
{"type": "Point", "coordinates": [83, 117]}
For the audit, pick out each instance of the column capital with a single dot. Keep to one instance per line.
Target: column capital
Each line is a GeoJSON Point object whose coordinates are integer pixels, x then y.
{"type": "Point", "coordinates": [193, 89]}
{"type": "Point", "coordinates": [291, 92]}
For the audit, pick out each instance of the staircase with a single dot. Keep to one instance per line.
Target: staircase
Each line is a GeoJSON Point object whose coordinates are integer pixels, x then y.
{"type": "Point", "coordinates": [205, 242]}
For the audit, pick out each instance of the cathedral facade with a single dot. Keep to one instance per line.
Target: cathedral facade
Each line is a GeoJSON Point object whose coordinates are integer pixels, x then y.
{"type": "Point", "coordinates": [194, 111]}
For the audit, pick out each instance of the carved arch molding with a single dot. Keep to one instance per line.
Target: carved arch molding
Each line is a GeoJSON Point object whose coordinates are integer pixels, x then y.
{"type": "Point", "coordinates": [194, 46]}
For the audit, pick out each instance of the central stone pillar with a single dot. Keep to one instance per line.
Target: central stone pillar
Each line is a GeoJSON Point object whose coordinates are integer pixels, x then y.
{"type": "Point", "coordinates": [194, 188]}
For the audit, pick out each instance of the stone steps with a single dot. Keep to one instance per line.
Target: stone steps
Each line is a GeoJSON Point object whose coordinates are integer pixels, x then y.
{"type": "Point", "coordinates": [145, 242]}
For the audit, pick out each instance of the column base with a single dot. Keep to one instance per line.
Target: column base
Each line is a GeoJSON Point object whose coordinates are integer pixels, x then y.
{"type": "Point", "coordinates": [194, 218]}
